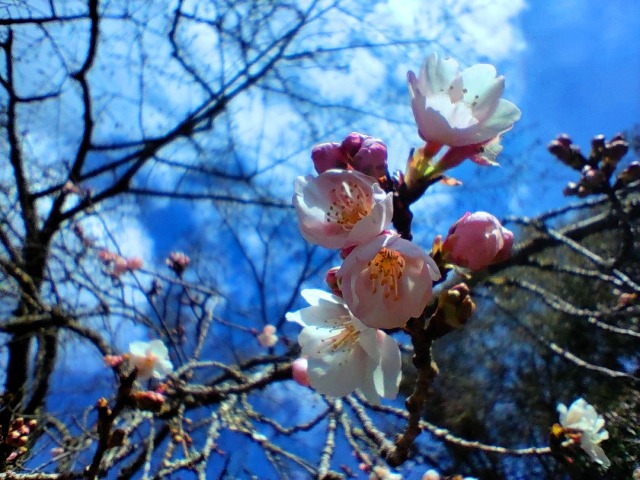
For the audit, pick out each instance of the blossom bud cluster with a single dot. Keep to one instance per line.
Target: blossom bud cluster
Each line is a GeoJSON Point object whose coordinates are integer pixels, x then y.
{"type": "Point", "coordinates": [178, 262]}
{"type": "Point", "coordinates": [356, 152]}
{"type": "Point", "coordinates": [117, 265]}
{"type": "Point", "coordinates": [18, 437]}
{"type": "Point", "coordinates": [596, 170]}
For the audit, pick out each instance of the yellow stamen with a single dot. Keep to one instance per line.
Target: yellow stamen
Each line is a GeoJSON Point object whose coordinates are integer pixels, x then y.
{"type": "Point", "coordinates": [385, 271]}
{"type": "Point", "coordinates": [350, 205]}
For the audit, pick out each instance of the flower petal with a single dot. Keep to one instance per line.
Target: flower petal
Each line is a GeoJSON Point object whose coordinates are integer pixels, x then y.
{"type": "Point", "coordinates": [338, 374]}
{"type": "Point", "coordinates": [439, 75]}
{"type": "Point", "coordinates": [388, 373]}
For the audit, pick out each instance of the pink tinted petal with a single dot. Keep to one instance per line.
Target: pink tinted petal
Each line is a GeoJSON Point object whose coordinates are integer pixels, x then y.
{"type": "Point", "coordinates": [381, 286]}
{"type": "Point", "coordinates": [299, 371]}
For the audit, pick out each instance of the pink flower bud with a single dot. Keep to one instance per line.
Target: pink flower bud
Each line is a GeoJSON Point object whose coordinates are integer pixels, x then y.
{"type": "Point", "coordinates": [476, 241]}
{"type": "Point", "coordinates": [326, 156]}
{"type": "Point", "coordinates": [371, 159]}
{"type": "Point", "coordinates": [134, 263]}
{"type": "Point", "coordinates": [299, 371]}
{"type": "Point", "coordinates": [70, 187]}
{"type": "Point", "coordinates": [178, 262]}
{"type": "Point", "coordinates": [351, 144]}
{"type": "Point", "coordinates": [333, 281]}
{"type": "Point", "coordinates": [106, 257]}
{"type": "Point", "coordinates": [268, 338]}
{"type": "Point", "coordinates": [113, 360]}
{"type": "Point", "coordinates": [119, 266]}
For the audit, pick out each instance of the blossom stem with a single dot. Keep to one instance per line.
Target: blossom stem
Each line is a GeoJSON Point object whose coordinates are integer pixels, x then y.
{"type": "Point", "coordinates": [422, 338]}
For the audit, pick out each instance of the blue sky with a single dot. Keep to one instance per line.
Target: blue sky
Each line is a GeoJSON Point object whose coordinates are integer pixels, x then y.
{"type": "Point", "coordinates": [571, 66]}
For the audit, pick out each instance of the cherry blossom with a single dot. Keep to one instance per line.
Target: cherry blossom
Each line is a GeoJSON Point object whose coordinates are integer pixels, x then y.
{"type": "Point", "coordinates": [151, 359]}
{"type": "Point", "coordinates": [459, 108]}
{"type": "Point", "coordinates": [476, 241]}
{"type": "Point", "coordinates": [342, 353]}
{"type": "Point", "coordinates": [583, 417]}
{"type": "Point", "coordinates": [387, 280]}
{"type": "Point", "coordinates": [341, 208]}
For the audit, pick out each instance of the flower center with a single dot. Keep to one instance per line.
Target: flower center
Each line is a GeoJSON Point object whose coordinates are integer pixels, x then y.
{"type": "Point", "coordinates": [385, 271]}
{"type": "Point", "coordinates": [347, 337]}
{"type": "Point", "coordinates": [351, 203]}
{"type": "Point", "coordinates": [149, 361]}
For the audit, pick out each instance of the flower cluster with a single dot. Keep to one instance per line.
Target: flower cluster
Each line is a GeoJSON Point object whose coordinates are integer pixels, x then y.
{"type": "Point", "coordinates": [596, 171]}
{"type": "Point", "coordinates": [117, 265]}
{"type": "Point", "coordinates": [385, 280]}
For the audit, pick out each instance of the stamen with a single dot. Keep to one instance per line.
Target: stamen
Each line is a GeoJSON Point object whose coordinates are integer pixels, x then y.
{"type": "Point", "coordinates": [385, 271]}
{"type": "Point", "coordinates": [345, 339]}
{"type": "Point", "coordinates": [350, 205]}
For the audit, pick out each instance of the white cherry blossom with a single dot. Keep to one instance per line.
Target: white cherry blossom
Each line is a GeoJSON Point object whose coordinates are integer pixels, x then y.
{"type": "Point", "coordinates": [151, 359]}
{"type": "Point", "coordinates": [342, 353]}
{"type": "Point", "coordinates": [458, 108]}
{"type": "Point", "coordinates": [583, 417]}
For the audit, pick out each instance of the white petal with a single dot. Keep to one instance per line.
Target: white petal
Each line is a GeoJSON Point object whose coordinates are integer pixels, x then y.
{"type": "Point", "coordinates": [482, 89]}
{"type": "Point", "coordinates": [389, 371]}
{"type": "Point", "coordinates": [317, 297]}
{"type": "Point", "coordinates": [367, 382]}
{"type": "Point", "coordinates": [158, 348]}
{"type": "Point", "coordinates": [438, 74]}
{"type": "Point", "coordinates": [562, 411]}
{"type": "Point", "coordinates": [338, 374]}
{"type": "Point", "coordinates": [139, 349]}
{"type": "Point", "coordinates": [501, 120]}
{"type": "Point", "coordinates": [315, 341]}
{"type": "Point", "coordinates": [374, 223]}
{"type": "Point", "coordinates": [369, 343]}
{"type": "Point", "coordinates": [596, 453]}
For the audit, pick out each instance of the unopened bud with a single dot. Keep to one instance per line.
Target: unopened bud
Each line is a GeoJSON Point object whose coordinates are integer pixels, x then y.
{"type": "Point", "coordinates": [333, 281]}
{"type": "Point", "coordinates": [326, 156]}
{"type": "Point", "coordinates": [351, 144]}
{"type": "Point", "coordinates": [148, 400]}
{"type": "Point", "coordinates": [629, 174]}
{"type": "Point", "coordinates": [593, 179]}
{"type": "Point", "coordinates": [597, 147]}
{"type": "Point", "coordinates": [567, 153]}
{"type": "Point", "coordinates": [371, 159]}
{"type": "Point", "coordinates": [455, 308]}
